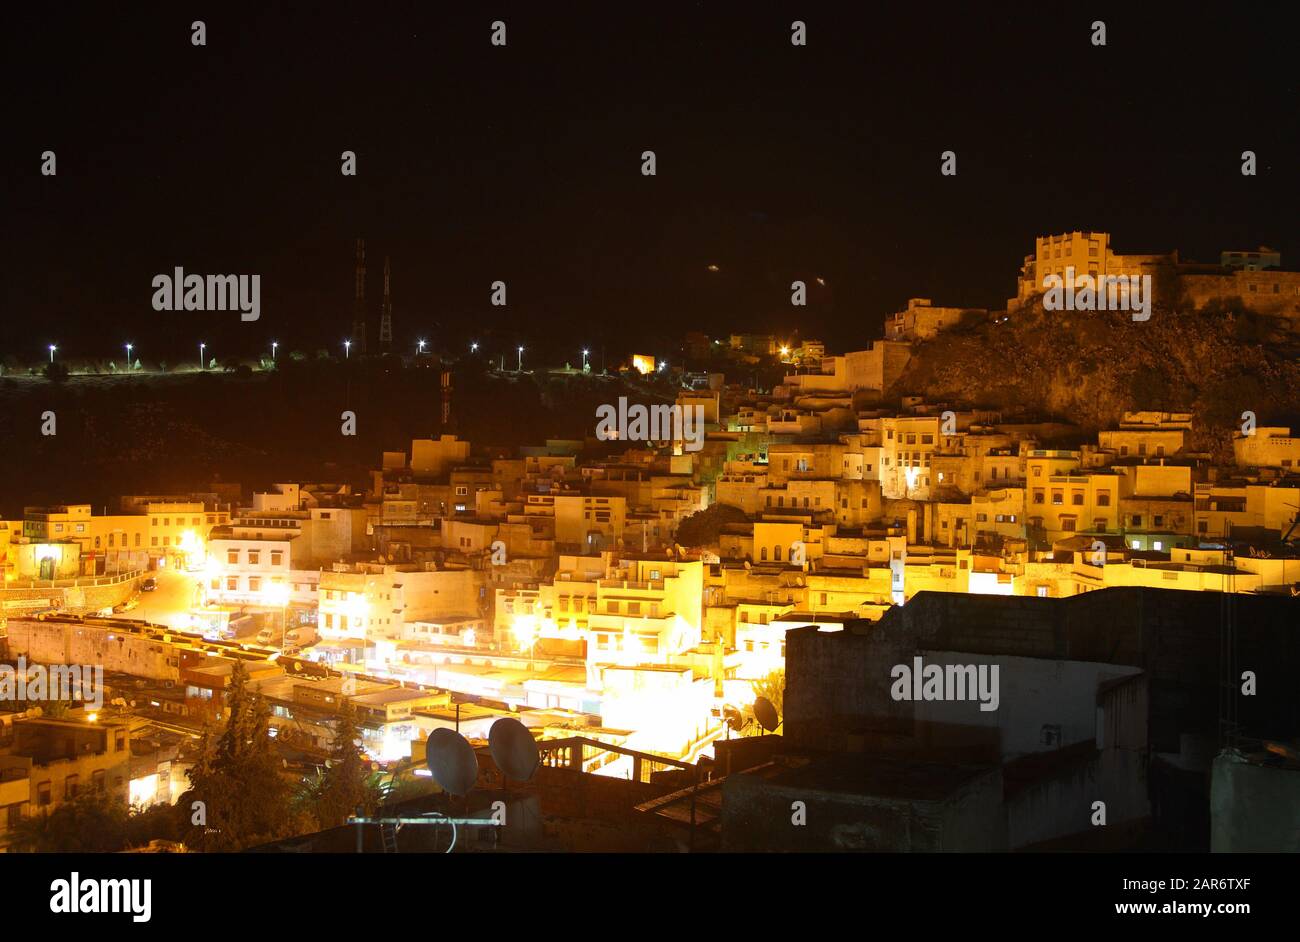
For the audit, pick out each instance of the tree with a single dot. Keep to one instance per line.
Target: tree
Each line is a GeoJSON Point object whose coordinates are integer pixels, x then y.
{"type": "Point", "coordinates": [345, 786]}
{"type": "Point", "coordinates": [704, 527]}
{"type": "Point", "coordinates": [94, 822]}
{"type": "Point", "coordinates": [56, 372]}
{"type": "Point", "coordinates": [773, 687]}
{"type": "Point", "coordinates": [245, 800]}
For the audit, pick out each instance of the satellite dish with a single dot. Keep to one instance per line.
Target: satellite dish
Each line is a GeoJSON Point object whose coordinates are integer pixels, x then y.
{"type": "Point", "coordinates": [513, 749]}
{"type": "Point", "coordinates": [766, 714]}
{"type": "Point", "coordinates": [451, 759]}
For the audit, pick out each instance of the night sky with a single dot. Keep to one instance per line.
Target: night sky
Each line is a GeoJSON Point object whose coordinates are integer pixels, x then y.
{"type": "Point", "coordinates": [523, 163]}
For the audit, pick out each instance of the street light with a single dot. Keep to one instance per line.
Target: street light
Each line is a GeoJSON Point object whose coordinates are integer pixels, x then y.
{"type": "Point", "coordinates": [521, 360]}
{"type": "Point", "coordinates": [584, 358]}
{"type": "Point", "coordinates": [347, 349]}
{"type": "Point", "coordinates": [52, 349]}
{"type": "Point", "coordinates": [473, 348]}
{"type": "Point", "coordinates": [203, 364]}
{"type": "Point", "coordinates": [128, 357]}
{"type": "Point", "coordinates": [419, 346]}
{"type": "Point", "coordinates": [274, 344]}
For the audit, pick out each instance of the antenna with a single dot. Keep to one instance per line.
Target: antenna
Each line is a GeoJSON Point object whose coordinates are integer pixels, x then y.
{"type": "Point", "coordinates": [386, 315]}
{"type": "Point", "coordinates": [514, 749]}
{"type": "Point", "coordinates": [359, 302]}
{"type": "Point", "coordinates": [451, 759]}
{"type": "Point", "coordinates": [766, 714]}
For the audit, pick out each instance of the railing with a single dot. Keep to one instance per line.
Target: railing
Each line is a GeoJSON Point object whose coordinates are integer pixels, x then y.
{"type": "Point", "coordinates": [587, 755]}
{"type": "Point", "coordinates": [80, 581]}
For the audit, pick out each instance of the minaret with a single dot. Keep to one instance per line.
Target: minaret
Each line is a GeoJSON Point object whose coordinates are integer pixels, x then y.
{"type": "Point", "coordinates": [359, 305]}
{"type": "Point", "coordinates": [386, 316]}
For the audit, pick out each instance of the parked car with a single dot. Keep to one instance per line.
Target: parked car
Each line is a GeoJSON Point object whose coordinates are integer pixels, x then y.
{"type": "Point", "coordinates": [149, 584]}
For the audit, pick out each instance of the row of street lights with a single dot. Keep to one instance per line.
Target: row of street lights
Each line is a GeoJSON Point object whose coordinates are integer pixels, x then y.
{"type": "Point", "coordinates": [347, 353]}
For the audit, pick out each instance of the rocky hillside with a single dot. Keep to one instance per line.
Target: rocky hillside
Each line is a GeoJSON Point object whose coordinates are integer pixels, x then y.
{"type": "Point", "coordinates": [1089, 367]}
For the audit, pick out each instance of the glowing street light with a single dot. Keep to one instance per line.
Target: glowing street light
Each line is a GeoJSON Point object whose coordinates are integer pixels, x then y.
{"type": "Point", "coordinates": [274, 344]}
{"type": "Point", "coordinates": [347, 349]}
{"type": "Point", "coordinates": [521, 360]}
{"type": "Point", "coordinates": [129, 348]}
{"type": "Point", "coordinates": [419, 346]}
{"type": "Point", "coordinates": [473, 348]}
{"type": "Point", "coordinates": [52, 349]}
{"type": "Point", "coordinates": [276, 595]}
{"type": "Point", "coordinates": [584, 358]}
{"type": "Point", "coordinates": [203, 364]}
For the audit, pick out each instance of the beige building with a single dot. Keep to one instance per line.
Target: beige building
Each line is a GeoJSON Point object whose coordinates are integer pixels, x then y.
{"type": "Point", "coordinates": [1087, 253]}
{"type": "Point", "coordinates": [922, 320]}
{"type": "Point", "coordinates": [1267, 447]}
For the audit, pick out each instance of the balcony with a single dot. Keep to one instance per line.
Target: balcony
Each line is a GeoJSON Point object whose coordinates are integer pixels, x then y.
{"type": "Point", "coordinates": [652, 586]}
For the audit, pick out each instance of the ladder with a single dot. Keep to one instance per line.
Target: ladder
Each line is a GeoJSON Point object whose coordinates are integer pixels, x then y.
{"type": "Point", "coordinates": [388, 835]}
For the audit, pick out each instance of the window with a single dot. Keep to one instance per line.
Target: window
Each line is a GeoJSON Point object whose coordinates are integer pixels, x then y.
{"type": "Point", "coordinates": [232, 583]}
{"type": "Point", "coordinates": [43, 795]}
{"type": "Point", "coordinates": [1077, 498]}
{"type": "Point", "coordinates": [254, 557]}
{"type": "Point", "coordinates": [70, 786]}
{"type": "Point", "coordinates": [1058, 496]}
{"type": "Point", "coordinates": [232, 556]}
{"type": "Point", "coordinates": [276, 556]}
{"type": "Point", "coordinates": [1103, 498]}
{"type": "Point", "coordinates": [254, 584]}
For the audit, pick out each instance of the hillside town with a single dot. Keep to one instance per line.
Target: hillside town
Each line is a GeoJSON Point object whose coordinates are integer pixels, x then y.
{"type": "Point", "coordinates": [629, 596]}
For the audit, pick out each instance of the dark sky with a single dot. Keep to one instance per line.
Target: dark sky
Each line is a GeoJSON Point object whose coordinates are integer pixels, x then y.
{"type": "Point", "coordinates": [523, 163]}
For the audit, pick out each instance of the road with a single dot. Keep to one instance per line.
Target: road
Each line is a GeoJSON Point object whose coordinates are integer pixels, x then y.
{"type": "Point", "coordinates": [170, 603]}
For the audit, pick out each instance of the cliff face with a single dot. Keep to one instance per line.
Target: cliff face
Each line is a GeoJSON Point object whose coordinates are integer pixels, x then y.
{"type": "Point", "coordinates": [1090, 367]}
